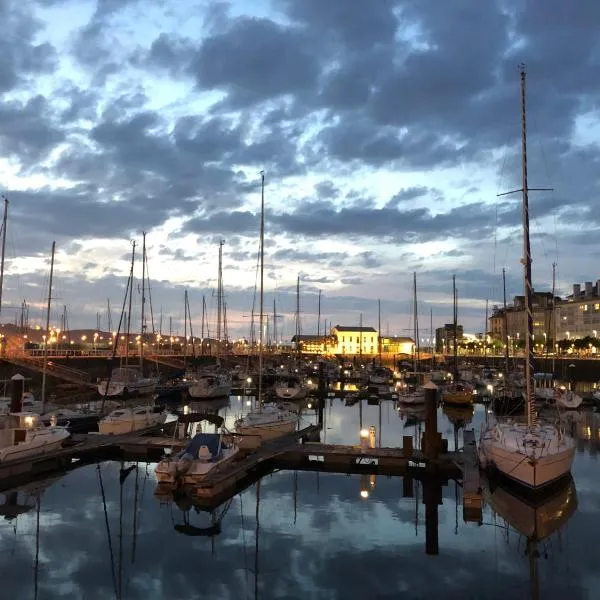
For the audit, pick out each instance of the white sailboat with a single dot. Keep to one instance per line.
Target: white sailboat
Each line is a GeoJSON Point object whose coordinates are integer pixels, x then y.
{"type": "Point", "coordinates": [414, 394]}
{"type": "Point", "coordinates": [129, 380]}
{"type": "Point", "coordinates": [128, 419]}
{"type": "Point", "coordinates": [532, 454]}
{"type": "Point", "coordinates": [265, 422]}
{"type": "Point", "coordinates": [212, 384]}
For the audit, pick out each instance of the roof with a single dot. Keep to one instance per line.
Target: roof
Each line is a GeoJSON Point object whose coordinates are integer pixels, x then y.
{"type": "Point", "coordinates": [310, 338]}
{"type": "Point", "coordinates": [353, 329]}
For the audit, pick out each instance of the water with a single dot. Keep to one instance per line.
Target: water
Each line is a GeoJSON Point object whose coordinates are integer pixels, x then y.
{"type": "Point", "coordinates": [316, 537]}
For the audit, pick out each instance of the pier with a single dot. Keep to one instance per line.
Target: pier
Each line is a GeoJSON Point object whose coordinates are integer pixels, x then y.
{"type": "Point", "coordinates": [300, 450]}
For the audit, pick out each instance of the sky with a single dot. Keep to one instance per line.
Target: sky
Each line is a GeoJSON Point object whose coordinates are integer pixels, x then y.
{"type": "Point", "coordinates": [385, 130]}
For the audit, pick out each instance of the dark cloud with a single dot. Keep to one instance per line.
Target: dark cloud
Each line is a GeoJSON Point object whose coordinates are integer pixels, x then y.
{"type": "Point", "coordinates": [21, 55]}
{"type": "Point", "coordinates": [256, 59]}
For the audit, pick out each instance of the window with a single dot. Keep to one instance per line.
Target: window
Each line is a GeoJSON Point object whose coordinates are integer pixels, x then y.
{"type": "Point", "coordinates": [596, 306]}
{"type": "Point", "coordinates": [343, 338]}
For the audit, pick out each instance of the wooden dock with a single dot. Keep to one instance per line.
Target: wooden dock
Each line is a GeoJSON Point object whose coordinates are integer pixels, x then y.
{"type": "Point", "coordinates": [471, 477]}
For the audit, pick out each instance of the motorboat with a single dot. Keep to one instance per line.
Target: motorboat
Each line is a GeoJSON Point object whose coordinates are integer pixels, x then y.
{"type": "Point", "coordinates": [212, 384]}
{"type": "Point", "coordinates": [265, 423]}
{"type": "Point", "coordinates": [412, 395]}
{"type": "Point", "coordinates": [126, 382]}
{"type": "Point", "coordinates": [128, 419]}
{"type": "Point", "coordinates": [568, 399]}
{"type": "Point", "coordinates": [22, 435]}
{"type": "Point", "coordinates": [204, 452]}
{"type": "Point", "coordinates": [291, 388]}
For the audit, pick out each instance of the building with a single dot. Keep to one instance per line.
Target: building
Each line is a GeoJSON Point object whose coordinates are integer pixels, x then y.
{"type": "Point", "coordinates": [578, 315]}
{"type": "Point", "coordinates": [515, 318]}
{"type": "Point", "coordinates": [444, 337]}
{"type": "Point", "coordinates": [315, 344]}
{"type": "Point", "coordinates": [397, 345]}
{"type": "Point", "coordinates": [355, 340]}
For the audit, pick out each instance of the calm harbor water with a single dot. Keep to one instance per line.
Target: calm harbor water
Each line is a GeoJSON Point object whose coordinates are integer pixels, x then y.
{"type": "Point", "coordinates": [302, 534]}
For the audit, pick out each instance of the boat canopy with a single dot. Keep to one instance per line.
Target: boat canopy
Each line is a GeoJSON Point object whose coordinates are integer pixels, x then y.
{"type": "Point", "coordinates": [210, 440]}
{"type": "Point", "coordinates": [212, 418]}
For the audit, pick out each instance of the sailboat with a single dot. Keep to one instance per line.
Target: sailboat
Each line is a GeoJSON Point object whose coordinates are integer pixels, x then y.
{"type": "Point", "coordinates": [292, 387]}
{"type": "Point", "coordinates": [507, 394]}
{"type": "Point", "coordinates": [536, 521]}
{"type": "Point", "coordinates": [530, 453]}
{"type": "Point", "coordinates": [414, 394]}
{"type": "Point", "coordinates": [458, 392]}
{"type": "Point", "coordinates": [129, 380]}
{"type": "Point", "coordinates": [270, 421]}
{"type": "Point", "coordinates": [214, 381]}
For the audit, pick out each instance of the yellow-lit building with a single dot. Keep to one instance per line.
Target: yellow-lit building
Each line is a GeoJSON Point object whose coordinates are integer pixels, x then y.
{"type": "Point", "coordinates": [355, 340]}
{"type": "Point", "coordinates": [397, 345]}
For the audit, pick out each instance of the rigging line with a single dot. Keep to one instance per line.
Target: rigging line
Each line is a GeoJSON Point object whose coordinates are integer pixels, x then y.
{"type": "Point", "coordinates": [110, 547]}
{"type": "Point", "coordinates": [244, 542]}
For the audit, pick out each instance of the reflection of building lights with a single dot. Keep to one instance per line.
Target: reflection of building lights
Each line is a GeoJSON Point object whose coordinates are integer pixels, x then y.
{"type": "Point", "coordinates": [364, 433]}
{"type": "Point", "coordinates": [186, 409]}
{"type": "Point", "coordinates": [364, 494]}
{"type": "Point", "coordinates": [248, 402]}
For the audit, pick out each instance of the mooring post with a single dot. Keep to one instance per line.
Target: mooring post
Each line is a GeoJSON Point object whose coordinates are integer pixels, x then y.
{"type": "Point", "coordinates": [432, 443]}
{"type": "Point", "coordinates": [321, 394]}
{"type": "Point", "coordinates": [17, 383]}
{"type": "Point", "coordinates": [432, 496]}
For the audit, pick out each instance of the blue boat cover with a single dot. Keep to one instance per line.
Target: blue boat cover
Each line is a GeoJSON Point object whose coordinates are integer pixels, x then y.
{"type": "Point", "coordinates": [210, 440]}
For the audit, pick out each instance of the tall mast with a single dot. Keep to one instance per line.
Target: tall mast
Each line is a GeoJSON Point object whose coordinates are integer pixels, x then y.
{"type": "Point", "coordinates": [185, 315]}
{"type": "Point", "coordinates": [454, 326]}
{"type": "Point", "coordinates": [4, 219]}
{"type": "Point", "coordinates": [431, 340]}
{"type": "Point", "coordinates": [553, 328]}
{"type": "Point", "coordinates": [220, 292]}
{"type": "Point", "coordinates": [298, 346]}
{"type": "Point", "coordinates": [527, 259]}
{"type": "Point", "coordinates": [379, 329]}
{"type": "Point", "coordinates": [319, 316]}
{"type": "Point", "coordinates": [275, 323]}
{"type": "Point", "coordinates": [128, 334]}
{"type": "Point", "coordinates": [47, 326]}
{"type": "Point", "coordinates": [415, 323]}
{"type": "Point", "coordinates": [360, 337]}
{"type": "Point", "coordinates": [262, 281]}
{"type": "Point", "coordinates": [505, 326]}
{"type": "Point", "coordinates": [143, 325]}
{"type": "Point", "coordinates": [485, 339]}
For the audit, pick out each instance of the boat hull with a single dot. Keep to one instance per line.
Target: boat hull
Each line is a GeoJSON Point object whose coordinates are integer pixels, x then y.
{"type": "Point", "coordinates": [254, 435]}
{"type": "Point", "coordinates": [117, 427]}
{"type": "Point", "coordinates": [40, 445]}
{"type": "Point", "coordinates": [521, 468]}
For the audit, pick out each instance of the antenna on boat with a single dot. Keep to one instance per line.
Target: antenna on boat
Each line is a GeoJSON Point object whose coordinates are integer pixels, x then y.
{"type": "Point", "coordinates": [526, 260]}
{"type": "Point", "coordinates": [5, 218]}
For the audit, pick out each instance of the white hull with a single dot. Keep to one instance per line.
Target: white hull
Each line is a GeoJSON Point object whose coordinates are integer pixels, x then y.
{"type": "Point", "coordinates": [42, 443]}
{"type": "Point", "coordinates": [530, 467]}
{"type": "Point", "coordinates": [296, 392]}
{"type": "Point", "coordinates": [169, 470]}
{"type": "Point", "coordinates": [201, 392]}
{"type": "Point", "coordinates": [259, 427]}
{"type": "Point", "coordinates": [413, 398]}
{"type": "Point", "coordinates": [116, 389]}
{"type": "Point", "coordinates": [568, 400]}
{"type": "Point", "coordinates": [108, 425]}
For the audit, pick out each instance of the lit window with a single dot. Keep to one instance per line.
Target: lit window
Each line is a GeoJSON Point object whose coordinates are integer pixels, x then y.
{"type": "Point", "coordinates": [596, 306]}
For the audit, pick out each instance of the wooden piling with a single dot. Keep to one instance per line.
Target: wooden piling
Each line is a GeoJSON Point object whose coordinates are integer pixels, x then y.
{"type": "Point", "coordinates": [432, 441]}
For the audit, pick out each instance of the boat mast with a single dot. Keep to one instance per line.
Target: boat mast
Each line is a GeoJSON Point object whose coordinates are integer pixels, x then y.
{"type": "Point", "coordinates": [415, 324]}
{"type": "Point", "coordinates": [527, 259]}
{"type": "Point", "coordinates": [5, 218]}
{"type": "Point", "coordinates": [47, 328]}
{"type": "Point", "coordinates": [262, 281]}
{"type": "Point", "coordinates": [185, 315]}
{"type": "Point", "coordinates": [319, 316]}
{"type": "Point", "coordinates": [143, 326]}
{"type": "Point", "coordinates": [379, 329]}
{"type": "Point", "coordinates": [128, 334]}
{"type": "Point", "coordinates": [431, 340]}
{"type": "Point", "coordinates": [505, 327]}
{"type": "Point", "coordinates": [220, 293]}
{"type": "Point", "coordinates": [553, 316]}
{"type": "Point", "coordinates": [454, 326]}
{"type": "Point", "coordinates": [485, 338]}
{"type": "Point", "coordinates": [298, 344]}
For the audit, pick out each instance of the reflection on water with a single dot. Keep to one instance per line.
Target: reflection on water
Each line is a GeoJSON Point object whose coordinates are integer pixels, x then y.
{"type": "Point", "coordinates": [108, 531]}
